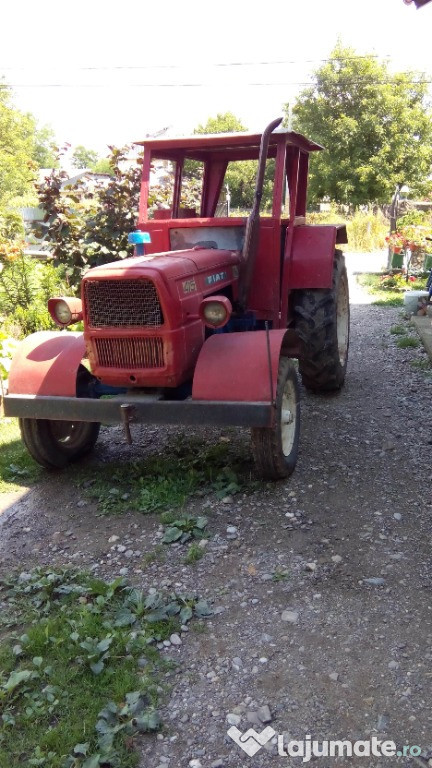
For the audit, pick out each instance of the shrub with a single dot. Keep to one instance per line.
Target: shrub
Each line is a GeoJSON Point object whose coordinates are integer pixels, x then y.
{"type": "Point", "coordinates": [25, 287]}
{"type": "Point", "coordinates": [367, 231]}
{"type": "Point", "coordinates": [90, 227]}
{"type": "Point", "coordinates": [7, 349]}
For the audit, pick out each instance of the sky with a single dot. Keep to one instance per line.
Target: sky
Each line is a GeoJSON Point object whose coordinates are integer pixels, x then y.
{"type": "Point", "coordinates": [101, 73]}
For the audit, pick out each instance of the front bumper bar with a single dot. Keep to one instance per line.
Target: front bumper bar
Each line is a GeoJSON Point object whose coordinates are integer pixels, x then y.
{"type": "Point", "coordinates": [138, 409]}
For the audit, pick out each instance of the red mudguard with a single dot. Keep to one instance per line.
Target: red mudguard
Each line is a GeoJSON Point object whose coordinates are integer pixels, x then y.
{"type": "Point", "coordinates": [235, 367]}
{"type": "Point", "coordinates": [46, 363]}
{"type": "Point", "coordinates": [312, 257]}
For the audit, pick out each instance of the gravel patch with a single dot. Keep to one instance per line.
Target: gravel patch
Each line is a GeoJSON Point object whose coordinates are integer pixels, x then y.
{"type": "Point", "coordinates": [320, 586]}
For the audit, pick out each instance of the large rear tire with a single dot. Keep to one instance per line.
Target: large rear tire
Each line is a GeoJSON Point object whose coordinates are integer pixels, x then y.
{"type": "Point", "coordinates": [322, 323]}
{"type": "Point", "coordinates": [54, 444]}
{"type": "Point", "coordinates": [275, 449]}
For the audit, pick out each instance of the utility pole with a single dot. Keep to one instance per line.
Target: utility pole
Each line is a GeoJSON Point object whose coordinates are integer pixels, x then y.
{"type": "Point", "coordinates": [393, 220]}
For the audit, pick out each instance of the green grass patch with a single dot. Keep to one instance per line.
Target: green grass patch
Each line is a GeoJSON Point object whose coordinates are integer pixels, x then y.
{"type": "Point", "coordinates": [17, 468]}
{"type": "Point", "coordinates": [398, 330]}
{"type": "Point", "coordinates": [188, 467]}
{"type": "Point", "coordinates": [194, 554]}
{"type": "Point", "coordinates": [422, 365]}
{"type": "Point", "coordinates": [388, 290]}
{"type": "Point", "coordinates": [72, 693]}
{"type": "Point", "coordinates": [408, 341]}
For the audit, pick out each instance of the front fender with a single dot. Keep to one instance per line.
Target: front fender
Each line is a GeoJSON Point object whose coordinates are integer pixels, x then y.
{"type": "Point", "coordinates": [46, 363]}
{"type": "Point", "coordinates": [235, 366]}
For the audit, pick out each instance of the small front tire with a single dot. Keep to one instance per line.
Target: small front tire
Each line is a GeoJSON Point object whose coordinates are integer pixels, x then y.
{"type": "Point", "coordinates": [55, 444]}
{"type": "Point", "coordinates": [275, 449]}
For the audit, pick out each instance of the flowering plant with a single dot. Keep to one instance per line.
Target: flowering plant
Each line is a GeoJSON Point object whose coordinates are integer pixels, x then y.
{"type": "Point", "coordinates": [395, 240]}
{"type": "Point", "coordinates": [11, 250]}
{"type": "Point", "coordinates": [415, 237]}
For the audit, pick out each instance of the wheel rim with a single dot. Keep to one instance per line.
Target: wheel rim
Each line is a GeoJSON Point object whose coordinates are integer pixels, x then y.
{"type": "Point", "coordinates": [288, 417]}
{"type": "Point", "coordinates": [343, 320]}
{"type": "Point", "coordinates": [68, 434]}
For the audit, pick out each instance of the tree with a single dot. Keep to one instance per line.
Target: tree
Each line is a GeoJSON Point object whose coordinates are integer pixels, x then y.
{"type": "Point", "coordinates": [375, 126]}
{"type": "Point", "coordinates": [224, 122]}
{"type": "Point", "coordinates": [17, 149]}
{"type": "Point", "coordinates": [45, 148]}
{"type": "Point", "coordinates": [103, 165]}
{"type": "Point", "coordinates": [83, 157]}
{"type": "Point", "coordinates": [240, 176]}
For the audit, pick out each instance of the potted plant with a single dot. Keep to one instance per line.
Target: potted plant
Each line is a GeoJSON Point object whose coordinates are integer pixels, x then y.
{"type": "Point", "coordinates": [396, 243]}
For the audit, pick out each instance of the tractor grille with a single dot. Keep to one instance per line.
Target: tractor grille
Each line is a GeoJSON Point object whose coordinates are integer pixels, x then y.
{"type": "Point", "coordinates": [122, 304]}
{"type": "Point", "coordinates": [130, 353]}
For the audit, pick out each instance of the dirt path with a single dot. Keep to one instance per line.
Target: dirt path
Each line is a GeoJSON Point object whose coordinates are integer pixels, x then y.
{"type": "Point", "coordinates": [322, 594]}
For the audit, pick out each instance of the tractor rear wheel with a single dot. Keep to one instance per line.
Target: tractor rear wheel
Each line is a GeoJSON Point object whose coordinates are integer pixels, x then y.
{"type": "Point", "coordinates": [322, 323]}
{"type": "Point", "coordinates": [275, 449]}
{"type": "Point", "coordinates": [54, 444]}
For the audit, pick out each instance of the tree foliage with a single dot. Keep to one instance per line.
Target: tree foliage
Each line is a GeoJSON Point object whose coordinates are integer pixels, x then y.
{"type": "Point", "coordinates": [83, 157]}
{"type": "Point", "coordinates": [17, 149]}
{"type": "Point", "coordinates": [375, 125]}
{"type": "Point", "coordinates": [240, 175]}
{"type": "Point", "coordinates": [224, 122]}
{"type": "Point", "coordinates": [45, 151]}
{"type": "Point", "coordinates": [23, 149]}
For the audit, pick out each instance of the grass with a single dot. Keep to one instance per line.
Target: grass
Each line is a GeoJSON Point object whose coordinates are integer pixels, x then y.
{"type": "Point", "coordinates": [408, 341]}
{"type": "Point", "coordinates": [17, 468]}
{"type": "Point", "coordinates": [156, 555]}
{"type": "Point", "coordinates": [398, 330]}
{"type": "Point", "coordinates": [280, 575]}
{"type": "Point", "coordinates": [72, 693]}
{"type": "Point", "coordinates": [158, 483]}
{"type": "Point", "coordinates": [382, 298]}
{"type": "Point", "coordinates": [422, 365]}
{"type": "Point", "coordinates": [194, 554]}
{"type": "Point", "coordinates": [386, 296]}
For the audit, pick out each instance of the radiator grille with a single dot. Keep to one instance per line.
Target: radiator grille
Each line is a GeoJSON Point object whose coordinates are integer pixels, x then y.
{"type": "Point", "coordinates": [130, 353]}
{"type": "Point", "coordinates": [122, 304]}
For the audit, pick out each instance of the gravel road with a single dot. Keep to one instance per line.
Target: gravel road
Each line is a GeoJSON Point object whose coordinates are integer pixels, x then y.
{"type": "Point", "coordinates": [321, 585]}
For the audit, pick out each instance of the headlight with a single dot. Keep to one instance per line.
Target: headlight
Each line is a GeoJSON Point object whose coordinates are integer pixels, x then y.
{"type": "Point", "coordinates": [215, 311]}
{"type": "Point", "coordinates": [65, 311]}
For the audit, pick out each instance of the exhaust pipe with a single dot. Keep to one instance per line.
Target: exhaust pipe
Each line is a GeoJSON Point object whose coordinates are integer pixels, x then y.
{"type": "Point", "coordinates": [250, 246]}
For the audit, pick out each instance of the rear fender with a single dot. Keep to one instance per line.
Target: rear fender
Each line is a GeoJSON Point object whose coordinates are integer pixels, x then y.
{"type": "Point", "coordinates": [313, 255]}
{"type": "Point", "coordinates": [235, 366]}
{"type": "Point", "coordinates": [46, 363]}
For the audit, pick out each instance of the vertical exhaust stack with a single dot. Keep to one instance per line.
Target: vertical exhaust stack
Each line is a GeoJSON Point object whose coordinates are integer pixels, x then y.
{"type": "Point", "coordinates": [250, 246]}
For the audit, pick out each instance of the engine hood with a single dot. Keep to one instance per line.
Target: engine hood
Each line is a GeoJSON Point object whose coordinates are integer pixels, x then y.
{"type": "Point", "coordinates": [172, 264]}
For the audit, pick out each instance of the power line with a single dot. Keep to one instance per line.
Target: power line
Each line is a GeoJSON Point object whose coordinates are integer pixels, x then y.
{"type": "Point", "coordinates": [184, 66]}
{"type": "Point", "coordinates": [364, 81]}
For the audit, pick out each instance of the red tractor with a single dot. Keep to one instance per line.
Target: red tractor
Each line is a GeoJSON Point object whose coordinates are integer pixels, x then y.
{"type": "Point", "coordinates": [204, 325]}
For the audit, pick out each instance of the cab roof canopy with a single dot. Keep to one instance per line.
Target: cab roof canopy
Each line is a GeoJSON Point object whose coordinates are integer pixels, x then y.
{"type": "Point", "coordinates": [231, 146]}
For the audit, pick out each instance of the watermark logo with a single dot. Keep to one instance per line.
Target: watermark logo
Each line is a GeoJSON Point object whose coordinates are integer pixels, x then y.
{"type": "Point", "coordinates": [251, 741]}
{"type": "Point", "coordinates": [307, 748]}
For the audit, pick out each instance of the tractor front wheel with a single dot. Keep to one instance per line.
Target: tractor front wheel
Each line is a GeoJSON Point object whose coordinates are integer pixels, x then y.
{"type": "Point", "coordinates": [275, 449]}
{"type": "Point", "coordinates": [54, 444]}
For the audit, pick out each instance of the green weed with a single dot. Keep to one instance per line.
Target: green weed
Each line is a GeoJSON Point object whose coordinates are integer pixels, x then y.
{"type": "Point", "coordinates": [160, 483]}
{"type": "Point", "coordinates": [398, 330]}
{"type": "Point", "coordinates": [72, 694]}
{"type": "Point", "coordinates": [408, 341]}
{"type": "Point", "coordinates": [194, 554]}
{"type": "Point", "coordinates": [185, 528]}
{"type": "Point", "coordinates": [423, 365]}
